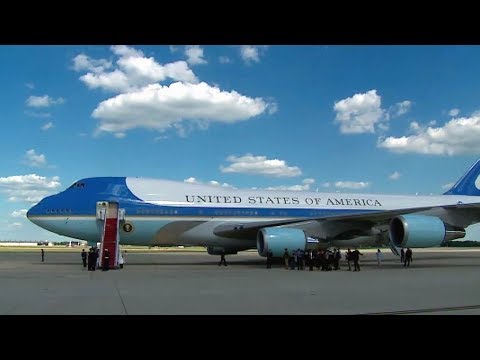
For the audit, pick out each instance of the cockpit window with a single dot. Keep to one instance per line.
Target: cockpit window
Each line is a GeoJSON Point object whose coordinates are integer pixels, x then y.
{"type": "Point", "coordinates": [78, 184]}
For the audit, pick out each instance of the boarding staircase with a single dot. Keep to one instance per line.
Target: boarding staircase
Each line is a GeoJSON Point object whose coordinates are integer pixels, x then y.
{"type": "Point", "coordinates": [395, 249]}
{"type": "Point", "coordinates": [109, 213]}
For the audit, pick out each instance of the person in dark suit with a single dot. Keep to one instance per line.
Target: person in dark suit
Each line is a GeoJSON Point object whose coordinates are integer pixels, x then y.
{"type": "Point", "coordinates": [84, 258]}
{"type": "Point", "coordinates": [402, 255]}
{"type": "Point", "coordinates": [286, 257]}
{"type": "Point", "coordinates": [43, 255]}
{"type": "Point", "coordinates": [356, 257]}
{"type": "Point", "coordinates": [269, 259]}
{"type": "Point", "coordinates": [96, 257]}
{"type": "Point", "coordinates": [91, 260]}
{"type": "Point", "coordinates": [222, 258]}
{"type": "Point", "coordinates": [408, 257]}
{"type": "Point", "coordinates": [106, 260]}
{"type": "Point", "coordinates": [348, 257]}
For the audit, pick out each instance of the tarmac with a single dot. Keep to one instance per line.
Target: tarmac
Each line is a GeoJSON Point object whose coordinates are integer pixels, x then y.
{"type": "Point", "coordinates": [440, 281]}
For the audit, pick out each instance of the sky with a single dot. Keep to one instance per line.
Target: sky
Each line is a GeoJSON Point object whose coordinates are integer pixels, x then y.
{"type": "Point", "coordinates": [382, 119]}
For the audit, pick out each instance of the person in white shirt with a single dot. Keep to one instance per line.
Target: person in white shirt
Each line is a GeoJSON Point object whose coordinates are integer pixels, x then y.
{"type": "Point", "coordinates": [379, 257]}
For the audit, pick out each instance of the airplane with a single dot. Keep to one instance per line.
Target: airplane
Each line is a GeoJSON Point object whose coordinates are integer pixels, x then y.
{"type": "Point", "coordinates": [158, 212]}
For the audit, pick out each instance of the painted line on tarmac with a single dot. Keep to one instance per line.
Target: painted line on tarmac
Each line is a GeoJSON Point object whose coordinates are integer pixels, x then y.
{"type": "Point", "coordinates": [419, 311]}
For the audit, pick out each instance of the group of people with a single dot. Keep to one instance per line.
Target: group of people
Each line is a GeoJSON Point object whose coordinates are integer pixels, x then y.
{"type": "Point", "coordinates": [327, 260]}
{"type": "Point", "coordinates": [91, 259]}
{"type": "Point", "coordinates": [406, 256]}
{"type": "Point", "coordinates": [323, 259]}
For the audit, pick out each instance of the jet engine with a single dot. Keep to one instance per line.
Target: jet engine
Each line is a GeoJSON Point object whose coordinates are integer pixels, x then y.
{"type": "Point", "coordinates": [418, 231]}
{"type": "Point", "coordinates": [278, 239]}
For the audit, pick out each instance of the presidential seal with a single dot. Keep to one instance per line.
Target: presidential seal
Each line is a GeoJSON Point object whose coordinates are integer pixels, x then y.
{"type": "Point", "coordinates": [127, 227]}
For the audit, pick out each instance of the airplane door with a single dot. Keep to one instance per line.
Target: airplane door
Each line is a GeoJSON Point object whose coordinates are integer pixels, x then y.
{"type": "Point", "coordinates": [102, 207]}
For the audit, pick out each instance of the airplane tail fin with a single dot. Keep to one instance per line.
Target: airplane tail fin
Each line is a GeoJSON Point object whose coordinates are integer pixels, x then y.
{"type": "Point", "coordinates": [469, 184]}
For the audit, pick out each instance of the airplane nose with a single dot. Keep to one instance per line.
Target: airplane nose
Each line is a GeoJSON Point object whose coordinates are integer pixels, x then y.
{"type": "Point", "coordinates": [34, 210]}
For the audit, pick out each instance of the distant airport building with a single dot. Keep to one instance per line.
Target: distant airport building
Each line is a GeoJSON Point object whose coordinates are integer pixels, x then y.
{"type": "Point", "coordinates": [25, 243]}
{"type": "Point", "coordinates": [74, 243]}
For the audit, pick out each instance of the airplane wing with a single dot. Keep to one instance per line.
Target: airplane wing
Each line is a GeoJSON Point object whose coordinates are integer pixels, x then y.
{"type": "Point", "coordinates": [248, 230]}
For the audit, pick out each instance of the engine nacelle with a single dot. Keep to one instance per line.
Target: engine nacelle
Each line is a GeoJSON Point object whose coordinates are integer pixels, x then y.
{"type": "Point", "coordinates": [278, 239]}
{"type": "Point", "coordinates": [417, 231]}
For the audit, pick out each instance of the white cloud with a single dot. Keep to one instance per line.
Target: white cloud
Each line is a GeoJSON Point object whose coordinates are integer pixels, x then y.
{"type": "Point", "coordinates": [383, 126]}
{"type": "Point", "coordinates": [112, 81]}
{"type": "Point", "coordinates": [30, 188]}
{"type": "Point", "coordinates": [359, 113]}
{"type": "Point", "coordinates": [224, 60]}
{"type": "Point", "coordinates": [161, 137]}
{"type": "Point", "coordinates": [133, 71]}
{"type": "Point", "coordinates": [414, 126]}
{"type": "Point", "coordinates": [400, 108]}
{"type": "Point", "coordinates": [31, 86]}
{"type": "Point", "coordinates": [351, 185]}
{"type": "Point", "coordinates": [43, 101]}
{"type": "Point", "coordinates": [395, 175]}
{"type": "Point", "coordinates": [249, 164]}
{"type": "Point", "coordinates": [19, 214]}
{"type": "Point", "coordinates": [458, 136]}
{"type": "Point", "coordinates": [183, 105]}
{"type": "Point", "coordinates": [30, 181]}
{"type": "Point", "coordinates": [160, 107]}
{"type": "Point", "coordinates": [141, 71]}
{"type": "Point", "coordinates": [216, 183]}
{"type": "Point", "coordinates": [83, 62]}
{"type": "Point", "coordinates": [448, 186]}
{"type": "Point", "coordinates": [250, 53]}
{"type": "Point", "coordinates": [119, 135]}
{"type": "Point", "coordinates": [454, 112]}
{"type": "Point", "coordinates": [14, 225]}
{"type": "Point", "coordinates": [34, 159]}
{"type": "Point", "coordinates": [173, 48]}
{"type": "Point", "coordinates": [326, 184]}
{"type": "Point", "coordinates": [304, 187]}
{"type": "Point", "coordinates": [272, 107]}
{"type": "Point", "coordinates": [192, 180]}
{"type": "Point", "coordinates": [194, 55]}
{"type": "Point", "coordinates": [126, 51]}
{"type": "Point", "coordinates": [47, 126]}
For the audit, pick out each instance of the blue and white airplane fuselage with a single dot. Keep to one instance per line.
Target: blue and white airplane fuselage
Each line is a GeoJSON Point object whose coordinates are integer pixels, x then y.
{"type": "Point", "coordinates": [163, 212]}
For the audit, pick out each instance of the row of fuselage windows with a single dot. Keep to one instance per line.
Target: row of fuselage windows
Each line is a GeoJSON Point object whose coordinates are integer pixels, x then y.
{"type": "Point", "coordinates": [255, 213]}
{"type": "Point", "coordinates": [200, 212]}
{"type": "Point", "coordinates": [59, 211]}
{"type": "Point", "coordinates": [224, 212]}
{"type": "Point", "coordinates": [156, 212]}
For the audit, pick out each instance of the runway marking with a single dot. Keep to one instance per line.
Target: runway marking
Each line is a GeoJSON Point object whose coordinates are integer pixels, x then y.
{"type": "Point", "coordinates": [431, 310]}
{"type": "Point", "coordinates": [121, 299]}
